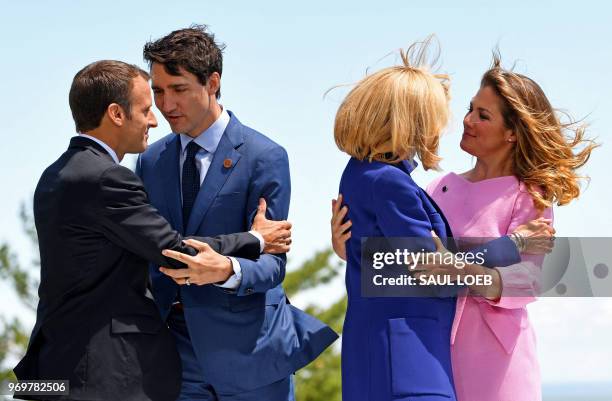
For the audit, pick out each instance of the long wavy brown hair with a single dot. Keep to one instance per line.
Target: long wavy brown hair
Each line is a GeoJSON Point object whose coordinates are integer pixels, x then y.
{"type": "Point", "coordinates": [548, 152]}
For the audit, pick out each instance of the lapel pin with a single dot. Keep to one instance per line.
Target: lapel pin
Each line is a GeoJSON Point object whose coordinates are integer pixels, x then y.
{"type": "Point", "coordinates": [444, 189]}
{"type": "Point", "coordinates": [227, 163]}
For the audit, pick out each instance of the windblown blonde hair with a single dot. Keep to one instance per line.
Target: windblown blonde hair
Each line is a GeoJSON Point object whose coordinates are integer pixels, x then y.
{"type": "Point", "coordinates": [546, 154]}
{"type": "Point", "coordinates": [396, 113]}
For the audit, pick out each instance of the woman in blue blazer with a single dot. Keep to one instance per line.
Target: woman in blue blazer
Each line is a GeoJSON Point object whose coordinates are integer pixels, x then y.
{"type": "Point", "coordinates": [393, 348]}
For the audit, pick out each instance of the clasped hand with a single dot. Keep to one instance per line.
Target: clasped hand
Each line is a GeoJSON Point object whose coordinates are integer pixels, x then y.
{"type": "Point", "coordinates": [209, 267]}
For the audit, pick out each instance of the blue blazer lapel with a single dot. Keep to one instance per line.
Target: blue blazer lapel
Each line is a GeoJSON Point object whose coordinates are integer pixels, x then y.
{"type": "Point", "coordinates": [167, 167]}
{"type": "Point", "coordinates": [217, 173]}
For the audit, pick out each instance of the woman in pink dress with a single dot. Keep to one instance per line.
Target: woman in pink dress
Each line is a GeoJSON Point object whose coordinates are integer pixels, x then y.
{"type": "Point", "coordinates": [526, 160]}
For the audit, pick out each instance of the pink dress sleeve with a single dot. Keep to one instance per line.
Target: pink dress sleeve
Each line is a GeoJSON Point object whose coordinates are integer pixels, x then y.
{"type": "Point", "coordinates": [521, 282]}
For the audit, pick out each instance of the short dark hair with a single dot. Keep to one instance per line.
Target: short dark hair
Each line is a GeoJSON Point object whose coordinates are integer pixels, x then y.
{"type": "Point", "coordinates": [98, 85]}
{"type": "Point", "coordinates": [193, 49]}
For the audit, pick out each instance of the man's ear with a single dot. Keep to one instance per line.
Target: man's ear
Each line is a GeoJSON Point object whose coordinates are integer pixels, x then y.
{"type": "Point", "coordinates": [116, 114]}
{"type": "Point", "coordinates": [213, 84]}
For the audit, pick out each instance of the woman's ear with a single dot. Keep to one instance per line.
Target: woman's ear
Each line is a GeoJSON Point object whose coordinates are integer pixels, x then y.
{"type": "Point", "coordinates": [510, 136]}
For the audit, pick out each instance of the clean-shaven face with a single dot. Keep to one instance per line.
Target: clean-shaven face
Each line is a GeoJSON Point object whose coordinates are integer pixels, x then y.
{"type": "Point", "coordinates": [484, 131]}
{"type": "Point", "coordinates": [135, 130]}
{"type": "Point", "coordinates": [183, 101]}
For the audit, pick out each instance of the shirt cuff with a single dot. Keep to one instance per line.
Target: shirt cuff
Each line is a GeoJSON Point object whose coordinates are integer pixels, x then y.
{"type": "Point", "coordinates": [262, 242]}
{"type": "Point", "coordinates": [235, 279]}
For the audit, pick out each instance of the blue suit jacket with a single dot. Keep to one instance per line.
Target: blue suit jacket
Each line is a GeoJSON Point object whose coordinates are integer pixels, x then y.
{"type": "Point", "coordinates": [251, 337]}
{"type": "Point", "coordinates": [396, 348]}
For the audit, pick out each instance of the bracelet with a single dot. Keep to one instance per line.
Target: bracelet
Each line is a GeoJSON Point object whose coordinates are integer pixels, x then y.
{"type": "Point", "coordinates": [518, 240]}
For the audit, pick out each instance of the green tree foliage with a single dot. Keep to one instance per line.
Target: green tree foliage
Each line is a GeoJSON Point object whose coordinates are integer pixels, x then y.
{"type": "Point", "coordinates": [13, 335]}
{"type": "Point", "coordinates": [320, 380]}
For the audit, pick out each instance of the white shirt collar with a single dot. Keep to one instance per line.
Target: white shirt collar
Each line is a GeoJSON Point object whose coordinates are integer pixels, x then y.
{"type": "Point", "coordinates": [108, 149]}
{"type": "Point", "coordinates": [210, 138]}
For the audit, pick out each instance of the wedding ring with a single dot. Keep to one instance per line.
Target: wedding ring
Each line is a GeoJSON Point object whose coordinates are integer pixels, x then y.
{"type": "Point", "coordinates": [187, 282]}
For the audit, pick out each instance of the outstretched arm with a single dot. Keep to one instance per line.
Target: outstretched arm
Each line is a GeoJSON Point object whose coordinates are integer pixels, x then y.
{"type": "Point", "coordinates": [128, 220]}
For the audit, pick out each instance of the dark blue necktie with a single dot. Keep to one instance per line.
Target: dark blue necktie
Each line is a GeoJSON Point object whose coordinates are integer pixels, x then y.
{"type": "Point", "coordinates": [191, 181]}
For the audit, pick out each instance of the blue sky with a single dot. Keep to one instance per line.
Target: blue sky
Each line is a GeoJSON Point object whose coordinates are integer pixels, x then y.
{"type": "Point", "coordinates": [279, 61]}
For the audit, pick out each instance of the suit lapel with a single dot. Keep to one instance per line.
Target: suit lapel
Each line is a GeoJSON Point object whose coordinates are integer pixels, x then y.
{"type": "Point", "coordinates": [167, 167]}
{"type": "Point", "coordinates": [217, 174]}
{"type": "Point", "coordinates": [408, 166]}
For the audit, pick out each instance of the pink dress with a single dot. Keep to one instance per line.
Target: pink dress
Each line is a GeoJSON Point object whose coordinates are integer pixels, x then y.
{"type": "Point", "coordinates": [493, 345]}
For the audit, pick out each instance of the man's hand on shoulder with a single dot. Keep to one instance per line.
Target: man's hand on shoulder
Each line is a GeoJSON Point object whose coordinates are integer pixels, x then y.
{"type": "Point", "coordinates": [276, 234]}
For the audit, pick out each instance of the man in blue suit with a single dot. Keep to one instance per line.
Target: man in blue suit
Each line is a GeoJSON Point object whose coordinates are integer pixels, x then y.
{"type": "Point", "coordinates": [239, 339]}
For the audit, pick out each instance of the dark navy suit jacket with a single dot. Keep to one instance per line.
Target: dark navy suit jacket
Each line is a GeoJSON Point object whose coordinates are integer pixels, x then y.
{"type": "Point", "coordinates": [250, 337]}
{"type": "Point", "coordinates": [96, 323]}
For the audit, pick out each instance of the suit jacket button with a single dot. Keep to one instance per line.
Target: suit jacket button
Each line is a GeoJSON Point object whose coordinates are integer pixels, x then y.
{"type": "Point", "coordinates": [249, 290]}
{"type": "Point", "coordinates": [444, 189]}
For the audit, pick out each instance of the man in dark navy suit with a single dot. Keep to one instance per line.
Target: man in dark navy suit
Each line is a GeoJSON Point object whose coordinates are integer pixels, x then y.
{"type": "Point", "coordinates": [97, 324]}
{"type": "Point", "coordinates": [239, 339]}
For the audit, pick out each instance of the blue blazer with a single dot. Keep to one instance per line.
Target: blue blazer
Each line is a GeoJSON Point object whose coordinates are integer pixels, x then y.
{"type": "Point", "coordinates": [396, 348]}
{"type": "Point", "coordinates": [251, 337]}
